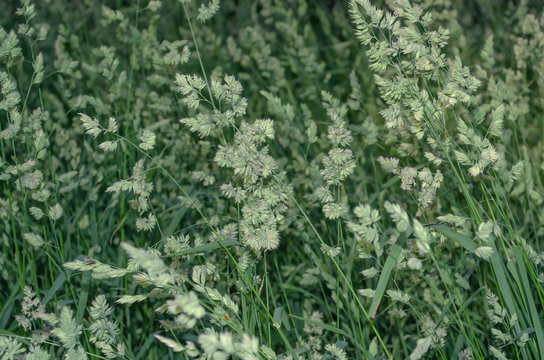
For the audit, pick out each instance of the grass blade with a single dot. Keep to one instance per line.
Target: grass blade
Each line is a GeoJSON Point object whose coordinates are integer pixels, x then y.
{"type": "Point", "coordinates": [386, 273]}
{"type": "Point", "coordinates": [459, 238]}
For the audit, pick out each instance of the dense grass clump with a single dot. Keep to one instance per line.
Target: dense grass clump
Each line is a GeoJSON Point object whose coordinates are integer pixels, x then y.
{"type": "Point", "coordinates": [271, 179]}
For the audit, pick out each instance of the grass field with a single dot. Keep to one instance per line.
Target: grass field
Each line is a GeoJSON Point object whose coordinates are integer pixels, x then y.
{"type": "Point", "coordinates": [271, 179]}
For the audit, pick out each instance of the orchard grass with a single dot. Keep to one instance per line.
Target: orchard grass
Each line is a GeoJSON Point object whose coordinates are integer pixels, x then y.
{"type": "Point", "coordinates": [294, 179]}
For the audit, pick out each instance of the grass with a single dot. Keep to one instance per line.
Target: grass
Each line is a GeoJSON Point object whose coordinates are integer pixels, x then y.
{"type": "Point", "coordinates": [391, 208]}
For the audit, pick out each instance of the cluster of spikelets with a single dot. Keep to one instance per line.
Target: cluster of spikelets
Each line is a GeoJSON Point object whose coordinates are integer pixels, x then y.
{"type": "Point", "coordinates": [392, 218]}
{"type": "Point", "coordinates": [62, 331]}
